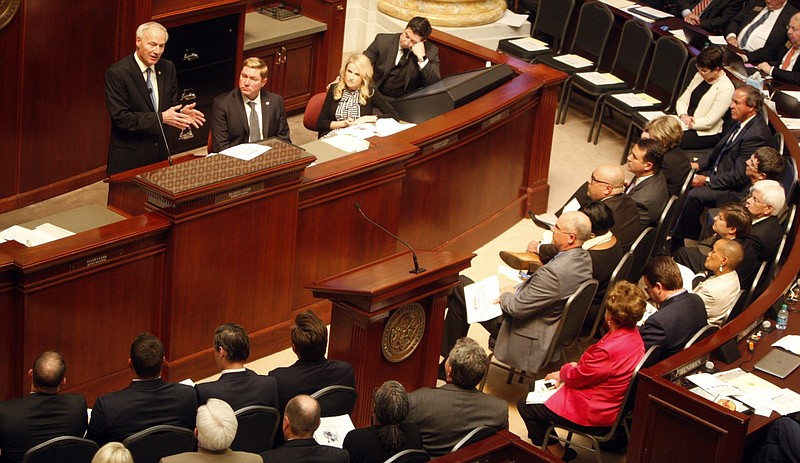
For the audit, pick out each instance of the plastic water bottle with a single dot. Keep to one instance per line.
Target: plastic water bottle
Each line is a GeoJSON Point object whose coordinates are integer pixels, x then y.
{"type": "Point", "coordinates": [783, 317]}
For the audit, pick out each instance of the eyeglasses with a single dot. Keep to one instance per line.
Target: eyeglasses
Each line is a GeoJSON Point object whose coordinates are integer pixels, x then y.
{"type": "Point", "coordinates": [593, 180]}
{"type": "Point", "coordinates": [703, 70]}
{"type": "Point", "coordinates": [559, 229]}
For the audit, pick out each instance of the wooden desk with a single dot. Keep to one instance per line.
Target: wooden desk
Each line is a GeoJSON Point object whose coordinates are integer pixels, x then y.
{"type": "Point", "coordinates": [503, 447]}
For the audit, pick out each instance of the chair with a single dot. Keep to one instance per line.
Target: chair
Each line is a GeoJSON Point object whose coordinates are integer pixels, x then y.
{"type": "Point", "coordinates": [730, 310]}
{"type": "Point", "coordinates": [157, 442]}
{"type": "Point", "coordinates": [313, 108]}
{"type": "Point", "coordinates": [552, 19]}
{"type": "Point", "coordinates": [702, 333]}
{"type": "Point", "coordinates": [669, 59]}
{"type": "Point", "coordinates": [62, 449]}
{"type": "Point", "coordinates": [620, 273]}
{"type": "Point", "coordinates": [627, 405]}
{"type": "Point", "coordinates": [627, 66]}
{"type": "Point", "coordinates": [478, 434]}
{"type": "Point", "coordinates": [258, 425]}
{"type": "Point", "coordinates": [668, 217]}
{"type": "Point", "coordinates": [567, 332]}
{"type": "Point", "coordinates": [409, 456]}
{"type": "Point", "coordinates": [789, 180]}
{"type": "Point", "coordinates": [743, 302]}
{"type": "Point", "coordinates": [641, 250]}
{"type": "Point", "coordinates": [336, 400]}
{"type": "Point", "coordinates": [591, 34]}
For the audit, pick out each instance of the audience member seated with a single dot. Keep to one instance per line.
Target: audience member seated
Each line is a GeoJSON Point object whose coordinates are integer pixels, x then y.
{"type": "Point", "coordinates": [591, 391]}
{"type": "Point", "coordinates": [648, 188]}
{"type": "Point", "coordinates": [532, 310]}
{"type": "Point", "coordinates": [764, 164]}
{"type": "Point", "coordinates": [782, 63]}
{"type": "Point", "coordinates": [721, 291]}
{"type": "Point", "coordinates": [148, 401]}
{"type": "Point", "coordinates": [113, 452]}
{"type": "Point", "coordinates": [705, 101]}
{"type": "Point", "coordinates": [712, 16]}
{"type": "Point", "coordinates": [680, 313]}
{"type": "Point", "coordinates": [675, 165]}
{"type": "Point", "coordinates": [26, 422]}
{"type": "Point", "coordinates": [215, 431]}
{"type": "Point", "coordinates": [397, 72]}
{"type": "Point", "coordinates": [732, 222]}
{"type": "Point", "coordinates": [233, 118]}
{"type": "Point", "coordinates": [238, 386]}
{"type": "Point", "coordinates": [765, 203]}
{"type": "Point", "coordinates": [300, 421]}
{"type": "Point", "coordinates": [761, 24]}
{"type": "Point", "coordinates": [312, 371]}
{"type": "Point", "coordinates": [390, 432]}
{"type": "Point", "coordinates": [446, 414]}
{"type": "Point", "coordinates": [721, 175]}
{"type": "Point", "coordinates": [353, 99]}
{"type": "Point", "coordinates": [781, 445]}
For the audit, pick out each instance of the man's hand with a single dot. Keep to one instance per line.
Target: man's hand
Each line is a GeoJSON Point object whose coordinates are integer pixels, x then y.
{"type": "Point", "coordinates": [765, 69]}
{"type": "Point", "coordinates": [694, 165]}
{"type": "Point", "coordinates": [173, 117]}
{"type": "Point", "coordinates": [733, 41]}
{"type": "Point", "coordinates": [698, 180]}
{"type": "Point", "coordinates": [418, 50]}
{"type": "Point", "coordinates": [692, 19]}
{"type": "Point", "coordinates": [198, 118]}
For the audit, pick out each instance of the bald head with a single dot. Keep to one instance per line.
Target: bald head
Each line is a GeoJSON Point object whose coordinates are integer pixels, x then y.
{"type": "Point", "coordinates": [48, 372]}
{"type": "Point", "coordinates": [606, 180]}
{"type": "Point", "coordinates": [571, 230]}
{"type": "Point", "coordinates": [301, 417]}
{"type": "Point", "coordinates": [732, 250]}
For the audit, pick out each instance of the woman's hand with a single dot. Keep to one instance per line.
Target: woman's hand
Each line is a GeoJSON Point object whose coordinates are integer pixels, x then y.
{"type": "Point", "coordinates": [555, 376]}
{"type": "Point", "coordinates": [365, 119]}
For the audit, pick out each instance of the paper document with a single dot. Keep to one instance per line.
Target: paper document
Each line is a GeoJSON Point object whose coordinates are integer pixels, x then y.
{"type": "Point", "coordinates": [542, 390]}
{"type": "Point", "coordinates": [574, 61]}
{"type": "Point", "coordinates": [791, 123]}
{"type": "Point", "coordinates": [42, 234]}
{"type": "Point", "coordinates": [714, 385]}
{"type": "Point", "coordinates": [635, 100]}
{"type": "Point", "coordinates": [619, 4]}
{"type": "Point", "coordinates": [480, 297]}
{"type": "Point", "coordinates": [680, 34]}
{"type": "Point", "coordinates": [529, 44]}
{"type": "Point", "coordinates": [513, 19]}
{"type": "Point", "coordinates": [332, 430]}
{"type": "Point", "coordinates": [600, 78]}
{"type": "Point", "coordinates": [717, 40]}
{"type": "Point", "coordinates": [387, 126]}
{"type": "Point", "coordinates": [650, 115]}
{"type": "Point", "coordinates": [245, 151]}
{"type": "Point", "coordinates": [347, 143]}
{"type": "Point", "coordinates": [724, 401]}
{"type": "Point", "coordinates": [745, 381]}
{"type": "Point", "coordinates": [790, 343]}
{"type": "Point", "coordinates": [649, 309]}
{"type": "Point", "coordinates": [649, 12]}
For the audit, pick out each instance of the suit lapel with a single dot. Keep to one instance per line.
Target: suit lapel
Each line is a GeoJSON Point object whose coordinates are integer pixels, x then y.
{"type": "Point", "coordinates": [138, 79]}
{"type": "Point", "coordinates": [265, 115]}
{"type": "Point", "coordinates": [240, 112]}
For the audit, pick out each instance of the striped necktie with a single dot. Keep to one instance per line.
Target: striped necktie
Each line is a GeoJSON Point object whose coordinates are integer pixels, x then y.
{"type": "Point", "coordinates": [698, 9]}
{"type": "Point", "coordinates": [750, 29]}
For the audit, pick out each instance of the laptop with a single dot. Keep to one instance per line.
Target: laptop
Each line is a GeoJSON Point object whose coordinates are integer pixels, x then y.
{"type": "Point", "coordinates": [786, 104]}
{"type": "Point", "coordinates": [736, 63]}
{"type": "Point", "coordinates": [696, 39]}
{"type": "Point", "coordinates": [778, 362]}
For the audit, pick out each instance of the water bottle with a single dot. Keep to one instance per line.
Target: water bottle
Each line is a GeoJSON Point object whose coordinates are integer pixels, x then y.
{"type": "Point", "coordinates": [783, 317]}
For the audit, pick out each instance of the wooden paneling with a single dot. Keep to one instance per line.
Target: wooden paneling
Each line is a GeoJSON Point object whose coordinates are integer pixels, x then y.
{"type": "Point", "coordinates": [10, 50]}
{"type": "Point", "coordinates": [10, 360]}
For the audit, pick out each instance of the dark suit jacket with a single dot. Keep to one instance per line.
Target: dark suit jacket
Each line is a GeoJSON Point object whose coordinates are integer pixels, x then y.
{"type": "Point", "coordinates": [143, 404]}
{"type": "Point", "coordinates": [136, 138]}
{"type": "Point", "coordinates": [328, 112]}
{"type": "Point", "coordinates": [364, 445]}
{"type": "Point", "coordinates": [715, 16]}
{"type": "Point", "coordinates": [774, 57]}
{"type": "Point", "coordinates": [306, 451]}
{"type": "Point", "coordinates": [651, 196]}
{"type": "Point", "coordinates": [765, 236]}
{"type": "Point", "coordinates": [778, 34]}
{"type": "Point", "coordinates": [675, 322]}
{"type": "Point", "coordinates": [307, 377]}
{"type": "Point", "coordinates": [240, 389]}
{"type": "Point", "coordinates": [28, 421]}
{"type": "Point", "coordinates": [627, 226]}
{"type": "Point", "coordinates": [675, 168]}
{"type": "Point", "coordinates": [230, 125]}
{"type": "Point", "coordinates": [382, 52]}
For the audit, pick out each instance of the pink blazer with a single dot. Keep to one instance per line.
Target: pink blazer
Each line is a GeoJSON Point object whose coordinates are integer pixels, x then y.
{"type": "Point", "coordinates": [592, 391]}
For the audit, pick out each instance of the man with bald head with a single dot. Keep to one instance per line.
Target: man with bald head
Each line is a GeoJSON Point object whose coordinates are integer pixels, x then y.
{"type": "Point", "coordinates": [42, 415]}
{"type": "Point", "coordinates": [300, 420]}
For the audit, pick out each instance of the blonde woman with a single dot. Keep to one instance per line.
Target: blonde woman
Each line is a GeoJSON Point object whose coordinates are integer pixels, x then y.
{"type": "Point", "coordinates": [353, 99]}
{"type": "Point", "coordinates": [675, 166]}
{"type": "Point", "coordinates": [113, 452]}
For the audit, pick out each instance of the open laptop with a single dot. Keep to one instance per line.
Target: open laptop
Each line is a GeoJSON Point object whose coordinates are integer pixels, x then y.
{"type": "Point", "coordinates": [736, 64]}
{"type": "Point", "coordinates": [786, 104]}
{"type": "Point", "coordinates": [778, 362]}
{"type": "Point", "coordinates": [696, 39]}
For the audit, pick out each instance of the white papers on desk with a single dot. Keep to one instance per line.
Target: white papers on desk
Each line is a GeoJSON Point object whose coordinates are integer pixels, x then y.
{"type": "Point", "coordinates": [791, 123]}
{"type": "Point", "coordinates": [650, 115]}
{"type": "Point", "coordinates": [529, 44]}
{"type": "Point", "coordinates": [636, 100]}
{"type": "Point", "coordinates": [600, 78]}
{"type": "Point", "coordinates": [479, 298]}
{"type": "Point", "coordinates": [714, 386]}
{"type": "Point", "coordinates": [513, 19]}
{"type": "Point", "coordinates": [332, 430]}
{"type": "Point", "coordinates": [619, 4]}
{"type": "Point", "coordinates": [347, 143]}
{"type": "Point", "coordinates": [680, 35]}
{"type": "Point", "coordinates": [784, 401]}
{"type": "Point", "coordinates": [648, 12]}
{"type": "Point", "coordinates": [790, 343]}
{"type": "Point", "coordinates": [574, 61]}
{"type": "Point", "coordinates": [745, 381]}
{"type": "Point", "coordinates": [386, 126]}
{"type": "Point", "coordinates": [42, 234]}
{"type": "Point", "coordinates": [246, 151]}
{"type": "Point", "coordinates": [717, 40]}
{"type": "Point", "coordinates": [541, 392]}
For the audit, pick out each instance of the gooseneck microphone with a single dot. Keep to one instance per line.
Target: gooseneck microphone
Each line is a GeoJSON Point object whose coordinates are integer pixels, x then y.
{"type": "Point", "coordinates": [161, 128]}
{"type": "Point", "coordinates": [417, 268]}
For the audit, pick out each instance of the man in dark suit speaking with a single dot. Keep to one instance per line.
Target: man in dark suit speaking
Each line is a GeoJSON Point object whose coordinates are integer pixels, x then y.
{"type": "Point", "coordinates": [142, 94]}
{"type": "Point", "coordinates": [404, 62]}
{"type": "Point", "coordinates": [249, 113]}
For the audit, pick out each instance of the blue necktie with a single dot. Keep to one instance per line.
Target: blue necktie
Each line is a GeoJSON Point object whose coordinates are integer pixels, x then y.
{"type": "Point", "coordinates": [750, 29]}
{"type": "Point", "coordinates": [150, 88]}
{"type": "Point", "coordinates": [726, 146]}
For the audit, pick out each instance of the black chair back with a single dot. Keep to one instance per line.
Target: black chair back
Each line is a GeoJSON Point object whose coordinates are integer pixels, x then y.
{"type": "Point", "coordinates": [478, 434]}
{"type": "Point", "coordinates": [668, 217]}
{"type": "Point", "coordinates": [157, 442]}
{"type": "Point", "coordinates": [63, 449]}
{"type": "Point", "coordinates": [591, 34]}
{"type": "Point", "coordinates": [258, 425]}
{"type": "Point", "coordinates": [575, 310]}
{"type": "Point", "coordinates": [336, 400]}
{"type": "Point", "coordinates": [620, 273]}
{"type": "Point", "coordinates": [669, 59]}
{"type": "Point", "coordinates": [701, 334]}
{"type": "Point", "coordinates": [632, 51]}
{"type": "Point", "coordinates": [552, 19]}
{"type": "Point", "coordinates": [688, 75]}
{"type": "Point", "coordinates": [409, 456]}
{"type": "Point", "coordinates": [641, 249]}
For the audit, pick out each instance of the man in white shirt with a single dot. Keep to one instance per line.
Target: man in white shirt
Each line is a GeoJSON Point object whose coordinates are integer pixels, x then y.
{"type": "Point", "coordinates": [782, 64]}
{"type": "Point", "coordinates": [761, 24]}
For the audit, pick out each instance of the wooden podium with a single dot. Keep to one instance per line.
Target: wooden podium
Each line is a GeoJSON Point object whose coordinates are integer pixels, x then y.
{"type": "Point", "coordinates": [387, 322]}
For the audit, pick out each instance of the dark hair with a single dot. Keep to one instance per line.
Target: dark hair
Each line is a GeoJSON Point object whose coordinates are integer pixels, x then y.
{"type": "Point", "coordinates": [233, 338]}
{"type": "Point", "coordinates": [653, 152]}
{"type": "Point", "coordinates": [147, 355]}
{"type": "Point", "coordinates": [664, 270]}
{"type": "Point", "coordinates": [468, 362]}
{"type": "Point", "coordinates": [600, 215]}
{"type": "Point", "coordinates": [390, 405]}
{"type": "Point", "coordinates": [49, 370]}
{"type": "Point", "coordinates": [737, 216]}
{"type": "Point", "coordinates": [770, 163]}
{"type": "Point", "coordinates": [710, 57]}
{"type": "Point", "coordinates": [753, 97]}
{"type": "Point", "coordinates": [309, 336]}
{"type": "Point", "coordinates": [420, 26]}
{"type": "Point", "coordinates": [625, 304]}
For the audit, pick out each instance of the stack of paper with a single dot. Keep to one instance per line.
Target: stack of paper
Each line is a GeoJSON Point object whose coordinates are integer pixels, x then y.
{"type": "Point", "coordinates": [44, 233]}
{"type": "Point", "coordinates": [574, 61]}
{"type": "Point", "coordinates": [746, 388]}
{"type": "Point", "coordinates": [600, 78]}
{"type": "Point", "coordinates": [636, 100]}
{"type": "Point", "coordinates": [245, 151]}
{"type": "Point", "coordinates": [529, 44]}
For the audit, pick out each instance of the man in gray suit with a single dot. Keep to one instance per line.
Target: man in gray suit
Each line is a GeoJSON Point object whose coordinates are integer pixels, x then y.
{"type": "Point", "coordinates": [532, 310]}
{"type": "Point", "coordinates": [446, 414]}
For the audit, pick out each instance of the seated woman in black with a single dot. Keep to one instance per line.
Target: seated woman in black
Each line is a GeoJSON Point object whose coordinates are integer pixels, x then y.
{"type": "Point", "coordinates": [353, 99]}
{"type": "Point", "coordinates": [388, 433]}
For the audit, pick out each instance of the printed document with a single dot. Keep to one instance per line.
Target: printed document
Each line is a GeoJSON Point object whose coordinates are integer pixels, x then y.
{"type": "Point", "coordinates": [480, 297]}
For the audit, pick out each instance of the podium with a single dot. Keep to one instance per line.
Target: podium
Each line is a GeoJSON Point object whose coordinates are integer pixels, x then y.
{"type": "Point", "coordinates": [387, 322]}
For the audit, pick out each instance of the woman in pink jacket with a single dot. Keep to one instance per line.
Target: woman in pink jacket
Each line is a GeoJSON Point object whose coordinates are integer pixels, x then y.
{"type": "Point", "coordinates": [590, 392]}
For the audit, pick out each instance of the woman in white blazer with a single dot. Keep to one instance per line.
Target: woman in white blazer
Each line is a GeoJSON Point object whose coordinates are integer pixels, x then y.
{"type": "Point", "coordinates": [705, 101]}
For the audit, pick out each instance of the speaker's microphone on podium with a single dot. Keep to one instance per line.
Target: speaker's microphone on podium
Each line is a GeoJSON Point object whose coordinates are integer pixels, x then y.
{"type": "Point", "coordinates": [417, 268]}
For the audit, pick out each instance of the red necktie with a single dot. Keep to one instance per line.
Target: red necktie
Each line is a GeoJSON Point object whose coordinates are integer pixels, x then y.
{"type": "Point", "coordinates": [698, 9]}
{"type": "Point", "coordinates": [787, 61]}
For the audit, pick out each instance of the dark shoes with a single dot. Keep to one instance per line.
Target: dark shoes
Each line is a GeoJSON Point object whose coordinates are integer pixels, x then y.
{"type": "Point", "coordinates": [569, 454]}
{"type": "Point", "coordinates": [539, 222]}
{"type": "Point", "coordinates": [527, 261]}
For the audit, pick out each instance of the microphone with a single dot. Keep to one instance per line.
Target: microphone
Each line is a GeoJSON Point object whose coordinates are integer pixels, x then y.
{"type": "Point", "coordinates": [417, 268]}
{"type": "Point", "coordinates": [164, 137]}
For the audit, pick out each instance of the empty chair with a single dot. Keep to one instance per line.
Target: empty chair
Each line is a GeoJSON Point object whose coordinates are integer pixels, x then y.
{"type": "Point", "coordinates": [258, 425]}
{"type": "Point", "coordinates": [409, 456]}
{"type": "Point", "coordinates": [478, 434]}
{"type": "Point", "coordinates": [313, 108]}
{"type": "Point", "coordinates": [668, 217]}
{"type": "Point", "coordinates": [63, 449]}
{"type": "Point", "coordinates": [551, 21]}
{"type": "Point", "coordinates": [157, 442]}
{"type": "Point", "coordinates": [702, 333]}
{"type": "Point", "coordinates": [591, 34]}
{"type": "Point", "coordinates": [336, 400]}
{"type": "Point", "coordinates": [641, 249]}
